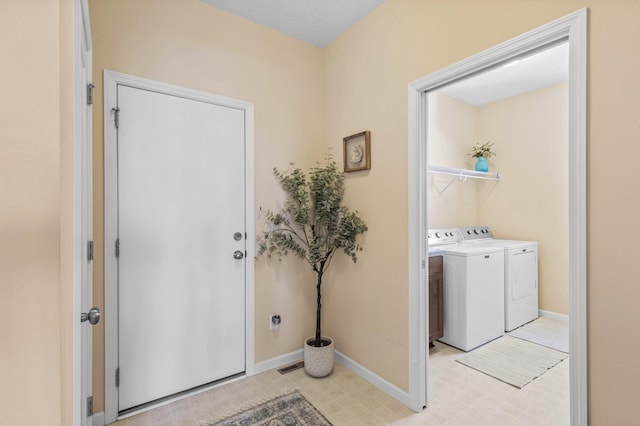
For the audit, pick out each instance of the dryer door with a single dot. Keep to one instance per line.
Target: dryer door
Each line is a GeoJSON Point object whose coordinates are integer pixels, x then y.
{"type": "Point", "coordinates": [524, 275]}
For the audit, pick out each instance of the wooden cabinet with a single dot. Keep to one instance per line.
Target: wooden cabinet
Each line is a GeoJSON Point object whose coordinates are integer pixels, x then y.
{"type": "Point", "coordinates": [436, 323]}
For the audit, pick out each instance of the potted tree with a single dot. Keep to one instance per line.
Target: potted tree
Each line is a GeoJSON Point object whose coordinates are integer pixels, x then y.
{"type": "Point", "coordinates": [313, 225]}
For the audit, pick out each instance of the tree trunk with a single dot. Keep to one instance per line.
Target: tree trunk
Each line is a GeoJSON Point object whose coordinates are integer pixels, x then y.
{"type": "Point", "coordinates": [318, 341]}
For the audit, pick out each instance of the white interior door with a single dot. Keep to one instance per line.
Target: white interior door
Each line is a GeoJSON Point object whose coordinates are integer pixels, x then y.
{"type": "Point", "coordinates": [86, 259]}
{"type": "Point", "coordinates": [83, 214]}
{"type": "Point", "coordinates": [181, 287]}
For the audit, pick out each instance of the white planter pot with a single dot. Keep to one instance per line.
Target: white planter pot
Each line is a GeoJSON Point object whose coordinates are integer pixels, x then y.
{"type": "Point", "coordinates": [318, 362]}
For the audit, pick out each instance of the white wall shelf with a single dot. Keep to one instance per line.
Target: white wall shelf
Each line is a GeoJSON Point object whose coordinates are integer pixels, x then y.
{"type": "Point", "coordinates": [461, 175]}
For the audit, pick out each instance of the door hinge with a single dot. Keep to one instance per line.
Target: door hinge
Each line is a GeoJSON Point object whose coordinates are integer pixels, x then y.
{"type": "Point", "coordinates": [118, 377]}
{"type": "Point", "coordinates": [116, 116]}
{"type": "Point", "coordinates": [90, 87]}
{"type": "Point", "coordinates": [118, 247]}
{"type": "Point", "coordinates": [89, 251]}
{"type": "Point", "coordinates": [89, 406]}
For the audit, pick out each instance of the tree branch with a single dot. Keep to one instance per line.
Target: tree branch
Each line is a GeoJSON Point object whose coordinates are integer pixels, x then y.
{"type": "Point", "coordinates": [329, 258]}
{"type": "Point", "coordinates": [290, 230]}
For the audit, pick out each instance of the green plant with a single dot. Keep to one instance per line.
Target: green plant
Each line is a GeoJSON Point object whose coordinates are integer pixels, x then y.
{"type": "Point", "coordinates": [313, 224]}
{"type": "Point", "coordinates": [485, 150]}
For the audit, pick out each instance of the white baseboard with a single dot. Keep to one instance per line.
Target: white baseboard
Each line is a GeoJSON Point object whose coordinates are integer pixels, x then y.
{"type": "Point", "coordinates": [553, 315]}
{"type": "Point", "coordinates": [98, 419]}
{"type": "Point", "coordinates": [282, 360]}
{"type": "Point", "coordinates": [277, 362]}
{"type": "Point", "coordinates": [368, 375]}
{"type": "Point", "coordinates": [371, 377]}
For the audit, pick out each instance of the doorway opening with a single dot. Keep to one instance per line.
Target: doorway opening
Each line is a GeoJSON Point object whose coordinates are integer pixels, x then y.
{"type": "Point", "coordinates": [572, 28]}
{"type": "Point", "coordinates": [519, 205]}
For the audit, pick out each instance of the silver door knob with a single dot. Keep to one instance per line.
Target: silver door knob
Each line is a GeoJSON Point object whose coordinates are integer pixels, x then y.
{"type": "Point", "coordinates": [238, 254]}
{"type": "Point", "coordinates": [93, 316]}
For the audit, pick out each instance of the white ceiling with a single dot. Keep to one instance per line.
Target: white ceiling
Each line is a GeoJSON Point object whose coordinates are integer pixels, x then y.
{"type": "Point", "coordinates": [318, 22]}
{"type": "Point", "coordinates": [534, 72]}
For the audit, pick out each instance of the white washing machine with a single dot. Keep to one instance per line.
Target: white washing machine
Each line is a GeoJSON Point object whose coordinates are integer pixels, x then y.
{"type": "Point", "coordinates": [520, 274]}
{"type": "Point", "coordinates": [473, 297]}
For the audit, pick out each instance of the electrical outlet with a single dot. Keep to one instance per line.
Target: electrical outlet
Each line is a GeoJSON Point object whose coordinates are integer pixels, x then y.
{"type": "Point", "coordinates": [274, 321]}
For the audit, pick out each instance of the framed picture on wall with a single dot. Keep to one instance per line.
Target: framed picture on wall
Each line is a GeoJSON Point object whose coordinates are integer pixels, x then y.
{"type": "Point", "coordinates": [357, 152]}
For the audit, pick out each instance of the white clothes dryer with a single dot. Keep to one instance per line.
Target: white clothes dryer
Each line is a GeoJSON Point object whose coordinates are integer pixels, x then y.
{"type": "Point", "coordinates": [473, 297]}
{"type": "Point", "coordinates": [520, 274]}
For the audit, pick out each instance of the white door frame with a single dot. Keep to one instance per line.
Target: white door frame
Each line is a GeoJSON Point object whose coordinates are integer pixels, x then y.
{"type": "Point", "coordinates": [82, 211]}
{"type": "Point", "coordinates": [111, 82]}
{"type": "Point", "coordinates": [572, 27]}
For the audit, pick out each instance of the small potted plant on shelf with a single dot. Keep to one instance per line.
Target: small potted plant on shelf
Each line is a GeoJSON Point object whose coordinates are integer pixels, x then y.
{"type": "Point", "coordinates": [482, 153]}
{"type": "Point", "coordinates": [313, 225]}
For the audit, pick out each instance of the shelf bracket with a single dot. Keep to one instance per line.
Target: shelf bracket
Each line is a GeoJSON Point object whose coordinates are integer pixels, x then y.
{"type": "Point", "coordinates": [461, 178]}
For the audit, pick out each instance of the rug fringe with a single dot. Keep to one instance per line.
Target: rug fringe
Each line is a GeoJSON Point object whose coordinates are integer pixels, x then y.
{"type": "Point", "coordinates": [246, 406]}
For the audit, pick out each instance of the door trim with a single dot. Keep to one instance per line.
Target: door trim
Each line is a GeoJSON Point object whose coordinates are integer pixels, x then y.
{"type": "Point", "coordinates": [572, 27]}
{"type": "Point", "coordinates": [82, 211]}
{"type": "Point", "coordinates": [111, 81]}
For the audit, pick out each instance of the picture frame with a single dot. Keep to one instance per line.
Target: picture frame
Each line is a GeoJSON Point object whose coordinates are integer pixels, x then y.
{"type": "Point", "coordinates": [357, 152]}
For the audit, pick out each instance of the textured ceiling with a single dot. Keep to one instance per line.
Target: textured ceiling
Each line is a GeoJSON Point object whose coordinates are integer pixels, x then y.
{"type": "Point", "coordinates": [318, 22]}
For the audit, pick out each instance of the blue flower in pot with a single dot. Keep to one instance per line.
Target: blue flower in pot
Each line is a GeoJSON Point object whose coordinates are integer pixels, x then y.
{"type": "Point", "coordinates": [482, 153]}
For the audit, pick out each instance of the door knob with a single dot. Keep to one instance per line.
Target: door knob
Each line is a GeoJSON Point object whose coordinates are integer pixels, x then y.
{"type": "Point", "coordinates": [93, 316]}
{"type": "Point", "coordinates": [238, 254]}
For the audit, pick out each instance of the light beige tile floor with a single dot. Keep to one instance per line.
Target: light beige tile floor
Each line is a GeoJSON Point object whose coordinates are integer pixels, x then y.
{"type": "Point", "coordinates": [459, 396]}
{"type": "Point", "coordinates": [463, 396]}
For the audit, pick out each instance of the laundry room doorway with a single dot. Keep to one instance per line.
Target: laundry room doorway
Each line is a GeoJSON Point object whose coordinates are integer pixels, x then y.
{"type": "Point", "coordinates": [572, 29]}
{"type": "Point", "coordinates": [176, 264]}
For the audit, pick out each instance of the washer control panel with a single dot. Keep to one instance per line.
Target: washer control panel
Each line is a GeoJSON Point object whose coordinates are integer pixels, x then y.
{"type": "Point", "coordinates": [475, 232]}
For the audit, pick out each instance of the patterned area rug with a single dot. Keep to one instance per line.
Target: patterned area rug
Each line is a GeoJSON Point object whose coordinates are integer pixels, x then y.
{"type": "Point", "coordinates": [513, 361]}
{"type": "Point", "coordinates": [291, 409]}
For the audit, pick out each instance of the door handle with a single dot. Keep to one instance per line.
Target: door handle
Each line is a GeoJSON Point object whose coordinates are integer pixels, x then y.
{"type": "Point", "coordinates": [93, 316]}
{"type": "Point", "coordinates": [238, 255]}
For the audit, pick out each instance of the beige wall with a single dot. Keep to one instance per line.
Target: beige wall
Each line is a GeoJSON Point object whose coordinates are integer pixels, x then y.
{"type": "Point", "coordinates": [365, 79]}
{"type": "Point", "coordinates": [191, 44]}
{"type": "Point", "coordinates": [452, 130]}
{"type": "Point", "coordinates": [530, 135]}
{"type": "Point", "coordinates": [368, 69]}
{"type": "Point", "coordinates": [67, 315]}
{"type": "Point", "coordinates": [35, 214]}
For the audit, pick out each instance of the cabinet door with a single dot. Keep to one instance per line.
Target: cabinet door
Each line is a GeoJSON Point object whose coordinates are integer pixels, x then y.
{"type": "Point", "coordinates": [436, 323]}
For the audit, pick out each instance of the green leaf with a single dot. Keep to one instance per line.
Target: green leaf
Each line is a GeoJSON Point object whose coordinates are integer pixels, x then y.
{"type": "Point", "coordinates": [313, 224]}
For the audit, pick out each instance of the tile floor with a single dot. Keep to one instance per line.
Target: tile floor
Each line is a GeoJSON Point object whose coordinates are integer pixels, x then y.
{"type": "Point", "coordinates": [459, 396]}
